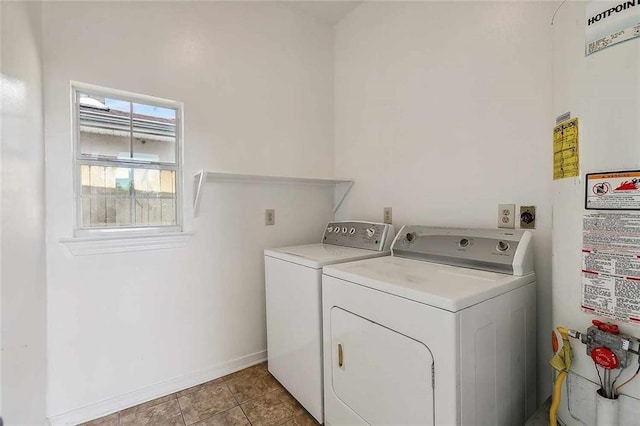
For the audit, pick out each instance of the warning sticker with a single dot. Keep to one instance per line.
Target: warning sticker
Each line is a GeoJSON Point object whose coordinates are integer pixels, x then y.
{"type": "Point", "coordinates": [565, 150]}
{"type": "Point", "coordinates": [613, 190]}
{"type": "Point", "coordinates": [611, 265]}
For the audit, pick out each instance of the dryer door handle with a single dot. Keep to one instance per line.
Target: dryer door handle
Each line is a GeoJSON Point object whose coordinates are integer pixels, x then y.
{"type": "Point", "coordinates": [340, 355]}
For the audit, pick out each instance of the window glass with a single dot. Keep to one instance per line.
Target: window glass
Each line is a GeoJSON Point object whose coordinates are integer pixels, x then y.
{"type": "Point", "coordinates": [127, 154]}
{"type": "Point", "coordinates": [127, 197]}
{"type": "Point", "coordinates": [154, 133]}
{"type": "Point", "coordinates": [115, 129]}
{"type": "Point", "coordinates": [104, 131]}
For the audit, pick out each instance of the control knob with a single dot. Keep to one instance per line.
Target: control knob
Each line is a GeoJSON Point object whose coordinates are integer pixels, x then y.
{"type": "Point", "coordinates": [502, 246]}
{"type": "Point", "coordinates": [463, 243]}
{"type": "Point", "coordinates": [411, 236]}
{"type": "Point", "coordinates": [371, 232]}
{"type": "Point", "coordinates": [352, 231]}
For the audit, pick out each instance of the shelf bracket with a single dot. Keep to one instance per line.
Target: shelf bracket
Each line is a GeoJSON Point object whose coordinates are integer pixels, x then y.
{"type": "Point", "coordinates": [197, 190]}
{"type": "Point", "coordinates": [338, 202]}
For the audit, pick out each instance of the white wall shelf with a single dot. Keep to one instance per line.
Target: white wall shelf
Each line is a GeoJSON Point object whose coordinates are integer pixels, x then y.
{"type": "Point", "coordinates": [216, 176]}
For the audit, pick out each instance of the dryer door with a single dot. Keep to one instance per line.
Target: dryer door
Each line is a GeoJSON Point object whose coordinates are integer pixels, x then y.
{"type": "Point", "coordinates": [384, 377]}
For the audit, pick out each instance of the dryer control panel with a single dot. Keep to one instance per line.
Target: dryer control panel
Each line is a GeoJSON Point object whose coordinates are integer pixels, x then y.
{"type": "Point", "coordinates": [364, 235]}
{"type": "Point", "coordinates": [505, 251]}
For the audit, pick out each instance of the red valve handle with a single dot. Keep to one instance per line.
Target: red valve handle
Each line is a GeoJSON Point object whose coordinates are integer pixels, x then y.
{"type": "Point", "coordinates": [605, 326]}
{"type": "Point", "coordinates": [605, 358]}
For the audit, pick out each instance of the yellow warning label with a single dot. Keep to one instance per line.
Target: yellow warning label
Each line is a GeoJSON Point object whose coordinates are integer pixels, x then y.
{"type": "Point", "coordinates": [566, 161]}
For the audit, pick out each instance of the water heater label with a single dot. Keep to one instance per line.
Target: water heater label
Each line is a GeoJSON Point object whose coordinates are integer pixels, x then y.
{"type": "Point", "coordinates": [608, 23]}
{"type": "Point", "coordinates": [611, 265]}
{"type": "Point", "coordinates": [613, 190]}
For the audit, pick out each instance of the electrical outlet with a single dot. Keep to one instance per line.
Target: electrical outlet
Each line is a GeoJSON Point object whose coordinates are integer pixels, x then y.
{"type": "Point", "coordinates": [528, 217]}
{"type": "Point", "coordinates": [387, 215]}
{"type": "Point", "coordinates": [269, 217]}
{"type": "Point", "coordinates": [506, 215]}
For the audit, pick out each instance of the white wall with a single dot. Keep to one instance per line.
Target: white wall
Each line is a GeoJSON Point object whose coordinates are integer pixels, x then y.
{"type": "Point", "coordinates": [23, 292]}
{"type": "Point", "coordinates": [603, 91]}
{"type": "Point", "coordinates": [443, 111]}
{"type": "Point", "coordinates": [256, 82]}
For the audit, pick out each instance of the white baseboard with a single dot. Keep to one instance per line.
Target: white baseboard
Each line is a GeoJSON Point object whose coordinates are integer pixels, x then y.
{"type": "Point", "coordinates": [112, 405]}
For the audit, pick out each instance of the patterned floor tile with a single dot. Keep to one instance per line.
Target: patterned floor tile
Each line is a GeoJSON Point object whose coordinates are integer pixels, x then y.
{"type": "Point", "coordinates": [264, 402]}
{"type": "Point", "coordinates": [110, 420]}
{"type": "Point", "coordinates": [255, 370]}
{"type": "Point", "coordinates": [147, 404]}
{"type": "Point", "coordinates": [206, 402]}
{"type": "Point", "coordinates": [253, 385]}
{"type": "Point", "coordinates": [273, 408]}
{"type": "Point", "coordinates": [198, 387]}
{"type": "Point", "coordinates": [304, 419]}
{"type": "Point", "coordinates": [232, 417]}
{"type": "Point", "coordinates": [166, 414]}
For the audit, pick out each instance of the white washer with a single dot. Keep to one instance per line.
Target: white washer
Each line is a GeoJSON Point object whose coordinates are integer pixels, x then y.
{"type": "Point", "coordinates": [440, 333]}
{"type": "Point", "coordinates": [293, 277]}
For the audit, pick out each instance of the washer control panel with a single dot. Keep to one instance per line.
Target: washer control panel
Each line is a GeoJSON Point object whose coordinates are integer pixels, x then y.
{"type": "Point", "coordinates": [364, 235]}
{"type": "Point", "coordinates": [505, 251]}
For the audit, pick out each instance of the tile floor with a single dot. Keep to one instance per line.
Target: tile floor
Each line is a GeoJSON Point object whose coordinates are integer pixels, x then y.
{"type": "Point", "coordinates": [248, 397]}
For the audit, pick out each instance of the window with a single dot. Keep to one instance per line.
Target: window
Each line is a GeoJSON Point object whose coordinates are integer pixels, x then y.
{"type": "Point", "coordinates": [127, 160]}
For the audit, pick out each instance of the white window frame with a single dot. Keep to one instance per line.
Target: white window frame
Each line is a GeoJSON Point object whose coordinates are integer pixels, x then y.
{"type": "Point", "coordinates": [111, 233]}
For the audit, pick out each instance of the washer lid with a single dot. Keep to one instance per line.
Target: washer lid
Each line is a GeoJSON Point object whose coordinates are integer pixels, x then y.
{"type": "Point", "coordinates": [446, 287]}
{"type": "Point", "coordinates": [318, 255]}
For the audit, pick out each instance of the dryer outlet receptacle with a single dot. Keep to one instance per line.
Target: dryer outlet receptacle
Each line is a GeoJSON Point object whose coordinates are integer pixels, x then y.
{"type": "Point", "coordinates": [528, 217]}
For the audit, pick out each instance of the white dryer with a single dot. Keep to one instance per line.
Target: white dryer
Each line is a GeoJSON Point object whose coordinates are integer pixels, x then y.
{"type": "Point", "coordinates": [293, 277]}
{"type": "Point", "coordinates": [440, 333]}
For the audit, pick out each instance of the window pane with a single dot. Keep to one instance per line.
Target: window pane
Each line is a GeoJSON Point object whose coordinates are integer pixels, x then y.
{"type": "Point", "coordinates": [155, 193]}
{"type": "Point", "coordinates": [168, 211]}
{"type": "Point", "coordinates": [156, 112]}
{"type": "Point", "coordinates": [85, 179]}
{"type": "Point", "coordinates": [154, 133]}
{"type": "Point", "coordinates": [106, 212]}
{"type": "Point", "coordinates": [149, 212]}
{"type": "Point", "coordinates": [105, 127]}
{"type": "Point", "coordinates": [108, 130]}
{"type": "Point", "coordinates": [98, 180]}
{"type": "Point", "coordinates": [167, 181]}
{"type": "Point", "coordinates": [123, 196]}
